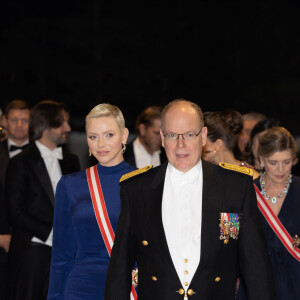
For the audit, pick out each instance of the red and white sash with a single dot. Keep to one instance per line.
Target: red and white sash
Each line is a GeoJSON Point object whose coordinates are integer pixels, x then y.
{"type": "Point", "coordinates": [276, 225]}
{"type": "Point", "coordinates": [101, 213]}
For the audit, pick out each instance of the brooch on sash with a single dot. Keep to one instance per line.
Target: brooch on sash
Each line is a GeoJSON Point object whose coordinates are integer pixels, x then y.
{"type": "Point", "coordinates": [134, 275]}
{"type": "Point", "coordinates": [229, 226]}
{"type": "Point", "coordinates": [296, 241]}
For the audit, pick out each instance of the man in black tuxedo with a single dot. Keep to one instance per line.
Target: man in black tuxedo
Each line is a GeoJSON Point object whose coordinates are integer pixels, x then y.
{"type": "Point", "coordinates": [31, 180]}
{"type": "Point", "coordinates": [15, 121]}
{"type": "Point", "coordinates": [146, 148]}
{"type": "Point", "coordinates": [190, 225]}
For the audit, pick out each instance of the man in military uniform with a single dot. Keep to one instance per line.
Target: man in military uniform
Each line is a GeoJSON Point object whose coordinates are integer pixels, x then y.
{"type": "Point", "coordinates": [190, 225]}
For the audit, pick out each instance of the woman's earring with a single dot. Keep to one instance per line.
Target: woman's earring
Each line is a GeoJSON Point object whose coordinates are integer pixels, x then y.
{"type": "Point", "coordinates": [262, 165]}
{"type": "Point", "coordinates": [90, 153]}
{"type": "Point", "coordinates": [214, 151]}
{"type": "Point", "coordinates": [123, 148]}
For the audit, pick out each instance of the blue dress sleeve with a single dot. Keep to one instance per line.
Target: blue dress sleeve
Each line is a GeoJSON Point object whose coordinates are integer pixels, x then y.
{"type": "Point", "coordinates": [63, 249]}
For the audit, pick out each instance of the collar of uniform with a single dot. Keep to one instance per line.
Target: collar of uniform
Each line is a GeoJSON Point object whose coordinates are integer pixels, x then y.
{"type": "Point", "coordinates": [180, 177]}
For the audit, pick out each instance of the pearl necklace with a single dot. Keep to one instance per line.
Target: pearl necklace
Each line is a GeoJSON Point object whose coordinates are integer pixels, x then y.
{"type": "Point", "coordinates": [284, 190]}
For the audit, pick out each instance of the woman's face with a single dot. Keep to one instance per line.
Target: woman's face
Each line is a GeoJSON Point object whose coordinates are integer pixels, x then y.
{"type": "Point", "coordinates": [209, 152]}
{"type": "Point", "coordinates": [105, 140]}
{"type": "Point", "coordinates": [278, 166]}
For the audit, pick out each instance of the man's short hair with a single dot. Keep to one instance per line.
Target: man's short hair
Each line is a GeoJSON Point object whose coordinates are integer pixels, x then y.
{"type": "Point", "coordinates": [175, 102]}
{"type": "Point", "coordinates": [44, 115]}
{"type": "Point", "coordinates": [147, 116]}
{"type": "Point", "coordinates": [15, 104]}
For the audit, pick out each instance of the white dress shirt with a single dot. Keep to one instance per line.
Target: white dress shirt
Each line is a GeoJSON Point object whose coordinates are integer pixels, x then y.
{"type": "Point", "coordinates": [50, 158]}
{"type": "Point", "coordinates": [181, 216]}
{"type": "Point", "coordinates": [142, 157]}
{"type": "Point", "coordinates": [15, 152]}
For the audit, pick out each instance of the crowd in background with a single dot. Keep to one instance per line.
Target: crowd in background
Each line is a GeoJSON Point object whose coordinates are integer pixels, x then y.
{"type": "Point", "coordinates": [32, 162]}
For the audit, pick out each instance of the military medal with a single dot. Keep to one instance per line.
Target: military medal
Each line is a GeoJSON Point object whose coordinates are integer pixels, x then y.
{"type": "Point", "coordinates": [229, 226]}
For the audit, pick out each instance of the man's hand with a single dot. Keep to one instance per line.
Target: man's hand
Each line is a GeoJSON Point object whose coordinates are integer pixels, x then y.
{"type": "Point", "coordinates": [5, 241]}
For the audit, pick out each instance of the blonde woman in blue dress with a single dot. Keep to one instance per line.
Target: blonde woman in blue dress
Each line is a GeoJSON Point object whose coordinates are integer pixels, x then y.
{"type": "Point", "coordinates": [79, 256]}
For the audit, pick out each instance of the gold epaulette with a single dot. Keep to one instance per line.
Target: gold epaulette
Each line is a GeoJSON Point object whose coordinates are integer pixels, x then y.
{"type": "Point", "coordinates": [244, 170]}
{"type": "Point", "coordinates": [136, 172]}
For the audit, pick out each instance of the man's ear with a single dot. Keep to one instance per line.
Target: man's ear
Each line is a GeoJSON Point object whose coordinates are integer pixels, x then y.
{"type": "Point", "coordinates": [162, 138]}
{"type": "Point", "coordinates": [203, 136]}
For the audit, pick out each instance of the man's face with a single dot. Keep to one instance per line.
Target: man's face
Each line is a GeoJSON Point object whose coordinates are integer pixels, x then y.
{"type": "Point", "coordinates": [244, 136]}
{"type": "Point", "coordinates": [150, 136]}
{"type": "Point", "coordinates": [17, 124]}
{"type": "Point", "coordinates": [59, 136]}
{"type": "Point", "coordinates": [183, 155]}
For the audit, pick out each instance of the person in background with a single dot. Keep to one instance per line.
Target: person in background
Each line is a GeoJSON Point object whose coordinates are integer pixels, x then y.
{"type": "Point", "coordinates": [222, 132]}
{"type": "Point", "coordinates": [249, 121]}
{"type": "Point", "coordinates": [182, 223]}
{"type": "Point", "coordinates": [146, 148]}
{"type": "Point", "coordinates": [2, 128]}
{"type": "Point", "coordinates": [80, 251]}
{"type": "Point", "coordinates": [30, 186]}
{"type": "Point", "coordinates": [258, 130]}
{"type": "Point", "coordinates": [278, 198]}
{"type": "Point", "coordinates": [15, 122]}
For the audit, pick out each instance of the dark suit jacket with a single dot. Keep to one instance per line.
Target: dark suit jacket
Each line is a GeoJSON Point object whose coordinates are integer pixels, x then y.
{"type": "Point", "coordinates": [130, 158]}
{"type": "Point", "coordinates": [141, 220]}
{"type": "Point", "coordinates": [4, 225]}
{"type": "Point", "coordinates": [4, 158]}
{"type": "Point", "coordinates": [30, 195]}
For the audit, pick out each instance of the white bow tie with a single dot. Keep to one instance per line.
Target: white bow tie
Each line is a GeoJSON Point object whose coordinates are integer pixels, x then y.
{"type": "Point", "coordinates": [55, 153]}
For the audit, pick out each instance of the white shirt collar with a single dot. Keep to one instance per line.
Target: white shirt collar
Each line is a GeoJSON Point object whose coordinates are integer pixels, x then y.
{"type": "Point", "coordinates": [11, 142]}
{"type": "Point", "coordinates": [46, 152]}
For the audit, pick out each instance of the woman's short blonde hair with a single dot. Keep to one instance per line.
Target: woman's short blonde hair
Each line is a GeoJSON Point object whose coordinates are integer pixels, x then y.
{"type": "Point", "coordinates": [107, 110]}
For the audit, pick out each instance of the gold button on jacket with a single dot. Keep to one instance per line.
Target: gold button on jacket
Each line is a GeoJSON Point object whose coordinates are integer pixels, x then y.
{"type": "Point", "coordinates": [181, 291]}
{"type": "Point", "coordinates": [190, 292]}
{"type": "Point", "coordinates": [145, 243]}
{"type": "Point", "coordinates": [154, 278]}
{"type": "Point", "coordinates": [217, 279]}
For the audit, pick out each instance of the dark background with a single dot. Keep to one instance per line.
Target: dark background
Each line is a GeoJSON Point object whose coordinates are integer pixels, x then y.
{"type": "Point", "coordinates": [220, 54]}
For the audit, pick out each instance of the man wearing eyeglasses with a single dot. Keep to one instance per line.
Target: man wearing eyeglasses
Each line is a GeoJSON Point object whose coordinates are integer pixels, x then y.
{"type": "Point", "coordinates": [190, 225]}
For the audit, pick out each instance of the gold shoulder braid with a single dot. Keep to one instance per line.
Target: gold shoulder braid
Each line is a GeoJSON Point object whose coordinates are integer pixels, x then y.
{"type": "Point", "coordinates": [136, 172]}
{"type": "Point", "coordinates": [243, 170]}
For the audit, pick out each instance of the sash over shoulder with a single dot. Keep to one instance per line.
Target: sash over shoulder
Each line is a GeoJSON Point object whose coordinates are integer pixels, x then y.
{"type": "Point", "coordinates": [101, 213]}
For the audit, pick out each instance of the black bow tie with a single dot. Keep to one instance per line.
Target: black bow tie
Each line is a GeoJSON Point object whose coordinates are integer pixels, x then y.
{"type": "Point", "coordinates": [13, 147]}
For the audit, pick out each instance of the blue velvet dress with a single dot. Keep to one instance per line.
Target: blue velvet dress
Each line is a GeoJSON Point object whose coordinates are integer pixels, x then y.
{"type": "Point", "coordinates": [285, 267]}
{"type": "Point", "coordinates": [79, 256]}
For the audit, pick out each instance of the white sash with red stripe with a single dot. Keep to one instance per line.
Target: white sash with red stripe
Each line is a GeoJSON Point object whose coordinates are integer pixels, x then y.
{"type": "Point", "coordinates": [101, 213]}
{"type": "Point", "coordinates": [276, 225]}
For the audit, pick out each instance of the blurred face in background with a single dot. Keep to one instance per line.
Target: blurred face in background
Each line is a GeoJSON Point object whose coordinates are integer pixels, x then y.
{"type": "Point", "coordinates": [17, 125]}
{"type": "Point", "coordinates": [59, 135]}
{"type": "Point", "coordinates": [150, 136]}
{"type": "Point", "coordinates": [105, 140]}
{"type": "Point", "coordinates": [245, 134]}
